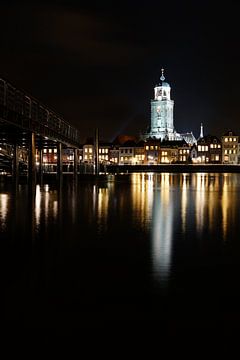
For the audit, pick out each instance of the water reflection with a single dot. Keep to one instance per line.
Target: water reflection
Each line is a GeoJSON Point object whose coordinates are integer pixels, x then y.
{"type": "Point", "coordinates": [4, 207]}
{"type": "Point", "coordinates": [164, 209]}
{"type": "Point", "coordinates": [162, 230]}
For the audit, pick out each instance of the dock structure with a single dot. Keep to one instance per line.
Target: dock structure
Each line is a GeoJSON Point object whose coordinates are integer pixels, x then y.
{"type": "Point", "coordinates": [27, 127]}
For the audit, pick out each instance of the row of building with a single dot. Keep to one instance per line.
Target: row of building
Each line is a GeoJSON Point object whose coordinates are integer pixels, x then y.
{"type": "Point", "coordinates": [160, 143]}
{"type": "Point", "coordinates": [207, 150]}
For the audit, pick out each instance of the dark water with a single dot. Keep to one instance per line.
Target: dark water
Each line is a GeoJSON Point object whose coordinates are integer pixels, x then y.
{"type": "Point", "coordinates": [143, 254]}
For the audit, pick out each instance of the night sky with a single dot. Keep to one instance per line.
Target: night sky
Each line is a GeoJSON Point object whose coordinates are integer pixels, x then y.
{"type": "Point", "coordinates": [97, 64]}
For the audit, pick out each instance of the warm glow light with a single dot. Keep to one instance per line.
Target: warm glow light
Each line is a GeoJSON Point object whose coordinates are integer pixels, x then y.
{"type": "Point", "coordinates": [4, 200]}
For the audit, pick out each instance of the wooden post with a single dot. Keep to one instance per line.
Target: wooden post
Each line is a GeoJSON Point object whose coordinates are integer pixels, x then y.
{"type": "Point", "coordinates": [32, 158]}
{"type": "Point", "coordinates": [96, 147]}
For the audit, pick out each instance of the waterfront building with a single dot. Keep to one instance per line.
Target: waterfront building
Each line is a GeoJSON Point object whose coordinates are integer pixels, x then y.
{"type": "Point", "coordinates": [209, 150]}
{"type": "Point", "coordinates": [173, 150]}
{"type": "Point", "coordinates": [88, 153]}
{"type": "Point", "coordinates": [139, 154]}
{"type": "Point", "coordinates": [184, 153]}
{"type": "Point", "coordinates": [230, 148]}
{"type": "Point", "coordinates": [126, 153]}
{"type": "Point", "coordinates": [103, 152]}
{"type": "Point", "coordinates": [114, 154]}
{"type": "Point", "coordinates": [193, 154]}
{"type": "Point", "coordinates": [152, 152]}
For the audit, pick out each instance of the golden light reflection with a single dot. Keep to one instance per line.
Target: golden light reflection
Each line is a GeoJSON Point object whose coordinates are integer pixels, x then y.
{"type": "Point", "coordinates": [4, 207]}
{"type": "Point", "coordinates": [225, 205]}
{"type": "Point", "coordinates": [101, 206]}
{"type": "Point", "coordinates": [46, 201]}
{"type": "Point", "coordinates": [142, 197]}
{"type": "Point", "coordinates": [201, 180]}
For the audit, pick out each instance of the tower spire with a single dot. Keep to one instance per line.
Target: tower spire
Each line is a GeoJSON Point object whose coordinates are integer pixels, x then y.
{"type": "Point", "coordinates": [162, 78]}
{"type": "Point", "coordinates": [201, 131]}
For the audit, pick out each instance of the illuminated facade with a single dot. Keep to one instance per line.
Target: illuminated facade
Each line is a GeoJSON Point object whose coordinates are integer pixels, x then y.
{"type": "Point", "coordinates": [162, 124]}
{"type": "Point", "coordinates": [162, 112]}
{"type": "Point", "coordinates": [209, 150]}
{"type": "Point", "coordinates": [230, 148]}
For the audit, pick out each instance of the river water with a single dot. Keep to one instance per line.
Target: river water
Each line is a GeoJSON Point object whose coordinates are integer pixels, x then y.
{"type": "Point", "coordinates": [132, 253]}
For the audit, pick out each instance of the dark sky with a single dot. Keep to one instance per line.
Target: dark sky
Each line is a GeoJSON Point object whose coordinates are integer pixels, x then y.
{"type": "Point", "coordinates": [97, 64]}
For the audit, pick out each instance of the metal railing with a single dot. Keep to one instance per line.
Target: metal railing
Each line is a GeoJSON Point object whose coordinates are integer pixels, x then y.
{"type": "Point", "coordinates": [24, 111]}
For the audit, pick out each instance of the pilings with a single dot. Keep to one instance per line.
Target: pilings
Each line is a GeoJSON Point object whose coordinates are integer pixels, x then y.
{"type": "Point", "coordinates": [15, 163]}
{"type": "Point", "coordinates": [59, 161]}
{"type": "Point", "coordinates": [40, 151]}
{"type": "Point", "coordinates": [75, 162]}
{"type": "Point", "coordinates": [32, 159]}
{"type": "Point", "coordinates": [96, 147]}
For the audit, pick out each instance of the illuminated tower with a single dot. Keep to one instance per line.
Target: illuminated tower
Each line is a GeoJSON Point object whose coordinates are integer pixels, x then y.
{"type": "Point", "coordinates": [162, 112]}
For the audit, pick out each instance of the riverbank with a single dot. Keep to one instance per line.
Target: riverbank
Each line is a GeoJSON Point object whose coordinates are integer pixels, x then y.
{"type": "Point", "coordinates": [174, 168]}
{"type": "Point", "coordinates": [112, 170]}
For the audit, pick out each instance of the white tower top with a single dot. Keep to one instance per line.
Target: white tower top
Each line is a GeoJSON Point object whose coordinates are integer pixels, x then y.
{"type": "Point", "coordinates": [162, 91]}
{"type": "Point", "coordinates": [162, 78]}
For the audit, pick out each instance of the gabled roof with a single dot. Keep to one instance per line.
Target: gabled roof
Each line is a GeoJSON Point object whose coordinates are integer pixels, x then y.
{"type": "Point", "coordinates": [207, 139]}
{"type": "Point", "coordinates": [129, 143]}
{"type": "Point", "coordinates": [230, 133]}
{"type": "Point", "coordinates": [173, 143]}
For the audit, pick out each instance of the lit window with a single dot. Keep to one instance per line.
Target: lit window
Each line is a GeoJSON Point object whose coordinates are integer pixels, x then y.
{"type": "Point", "coordinates": [219, 146]}
{"type": "Point", "coordinates": [234, 139]}
{"type": "Point", "coordinates": [152, 147]}
{"type": "Point", "coordinates": [121, 158]}
{"type": "Point", "coordinates": [156, 147]}
{"type": "Point", "coordinates": [225, 151]}
{"type": "Point", "coordinates": [90, 150]}
{"type": "Point", "coordinates": [44, 150]}
{"type": "Point", "coordinates": [147, 147]}
{"type": "Point", "coordinates": [226, 139]}
{"type": "Point", "coordinates": [50, 151]}
{"type": "Point", "coordinates": [55, 150]}
{"type": "Point", "coordinates": [230, 139]}
{"type": "Point", "coordinates": [86, 150]}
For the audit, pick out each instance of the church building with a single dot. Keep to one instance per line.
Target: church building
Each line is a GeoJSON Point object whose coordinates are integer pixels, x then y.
{"type": "Point", "coordinates": [162, 125]}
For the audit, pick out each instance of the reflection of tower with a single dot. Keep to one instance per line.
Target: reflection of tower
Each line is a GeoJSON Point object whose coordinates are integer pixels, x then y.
{"type": "Point", "coordinates": [162, 111]}
{"type": "Point", "coordinates": [162, 232]}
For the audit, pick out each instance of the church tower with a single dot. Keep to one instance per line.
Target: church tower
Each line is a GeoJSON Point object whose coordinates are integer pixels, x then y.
{"type": "Point", "coordinates": [162, 112]}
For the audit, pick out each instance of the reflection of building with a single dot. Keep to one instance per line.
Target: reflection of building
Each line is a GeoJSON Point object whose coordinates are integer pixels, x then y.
{"type": "Point", "coordinates": [162, 125]}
